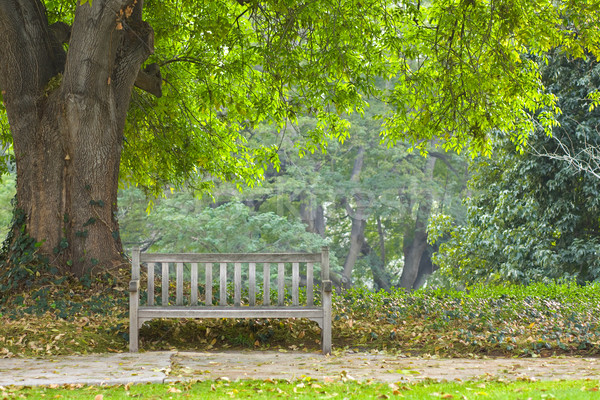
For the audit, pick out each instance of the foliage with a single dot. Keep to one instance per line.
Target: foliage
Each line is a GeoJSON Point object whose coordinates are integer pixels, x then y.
{"type": "Point", "coordinates": [510, 320]}
{"type": "Point", "coordinates": [445, 59]}
{"type": "Point", "coordinates": [454, 70]}
{"type": "Point", "coordinates": [532, 216]}
{"type": "Point", "coordinates": [20, 265]}
{"type": "Point", "coordinates": [308, 388]}
{"type": "Point", "coordinates": [49, 335]}
{"type": "Point", "coordinates": [7, 193]}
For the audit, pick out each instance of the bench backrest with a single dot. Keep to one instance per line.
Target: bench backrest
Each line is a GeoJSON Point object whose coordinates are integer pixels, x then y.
{"type": "Point", "coordinates": [192, 268]}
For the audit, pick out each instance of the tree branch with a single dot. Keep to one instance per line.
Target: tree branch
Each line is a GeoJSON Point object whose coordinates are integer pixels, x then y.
{"type": "Point", "coordinates": [585, 159]}
{"type": "Point", "coordinates": [444, 158]}
{"type": "Point", "coordinates": [25, 47]}
{"type": "Point", "coordinates": [149, 79]}
{"type": "Point", "coordinates": [27, 63]}
{"type": "Point", "coordinates": [93, 48]}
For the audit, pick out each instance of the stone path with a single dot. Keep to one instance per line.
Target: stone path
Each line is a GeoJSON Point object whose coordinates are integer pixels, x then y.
{"type": "Point", "coordinates": [123, 368]}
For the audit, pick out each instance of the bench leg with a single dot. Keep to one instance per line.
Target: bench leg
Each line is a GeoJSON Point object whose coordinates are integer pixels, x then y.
{"type": "Point", "coordinates": [326, 328]}
{"type": "Point", "coordinates": [133, 323]}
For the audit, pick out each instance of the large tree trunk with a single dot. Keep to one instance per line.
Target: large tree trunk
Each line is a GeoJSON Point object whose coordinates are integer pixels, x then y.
{"type": "Point", "coordinates": [415, 238]}
{"type": "Point", "coordinates": [67, 128]}
{"type": "Point", "coordinates": [426, 267]}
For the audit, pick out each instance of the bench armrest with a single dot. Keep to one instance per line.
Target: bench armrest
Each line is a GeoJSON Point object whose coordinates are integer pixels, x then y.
{"type": "Point", "coordinates": [134, 286]}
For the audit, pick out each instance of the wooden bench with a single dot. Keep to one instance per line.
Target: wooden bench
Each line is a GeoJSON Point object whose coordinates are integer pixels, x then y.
{"type": "Point", "coordinates": [191, 305]}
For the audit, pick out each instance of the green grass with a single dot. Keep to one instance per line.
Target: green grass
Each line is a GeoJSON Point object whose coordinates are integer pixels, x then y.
{"type": "Point", "coordinates": [309, 389]}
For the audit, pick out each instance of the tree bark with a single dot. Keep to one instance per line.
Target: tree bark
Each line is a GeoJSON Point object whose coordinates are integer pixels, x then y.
{"type": "Point", "coordinates": [426, 267]}
{"type": "Point", "coordinates": [67, 128]}
{"type": "Point", "coordinates": [313, 215]}
{"type": "Point", "coordinates": [415, 238]}
{"type": "Point", "coordinates": [381, 277]}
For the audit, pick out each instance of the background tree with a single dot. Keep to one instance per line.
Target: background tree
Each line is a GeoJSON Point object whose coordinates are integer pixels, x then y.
{"type": "Point", "coordinates": [535, 217]}
{"type": "Point", "coordinates": [368, 199]}
{"type": "Point", "coordinates": [182, 223]}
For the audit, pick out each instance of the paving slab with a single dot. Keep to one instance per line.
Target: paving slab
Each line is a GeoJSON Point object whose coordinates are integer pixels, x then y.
{"type": "Point", "coordinates": [378, 367]}
{"type": "Point", "coordinates": [96, 369]}
{"type": "Point", "coordinates": [161, 367]}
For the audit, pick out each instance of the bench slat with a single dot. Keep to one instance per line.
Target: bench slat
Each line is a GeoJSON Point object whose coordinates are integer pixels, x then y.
{"type": "Point", "coordinates": [266, 284]}
{"type": "Point", "coordinates": [309, 285]}
{"type": "Point", "coordinates": [229, 312]}
{"type": "Point", "coordinates": [230, 258]}
{"type": "Point", "coordinates": [150, 284]}
{"type": "Point", "coordinates": [165, 284]}
{"type": "Point", "coordinates": [179, 283]}
{"type": "Point", "coordinates": [280, 283]}
{"type": "Point", "coordinates": [208, 284]}
{"type": "Point", "coordinates": [223, 284]}
{"type": "Point", "coordinates": [194, 285]}
{"type": "Point", "coordinates": [237, 283]}
{"type": "Point", "coordinates": [295, 283]}
{"type": "Point", "coordinates": [252, 284]}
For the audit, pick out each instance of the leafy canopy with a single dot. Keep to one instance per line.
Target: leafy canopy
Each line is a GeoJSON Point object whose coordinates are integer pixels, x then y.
{"type": "Point", "coordinates": [533, 217]}
{"type": "Point", "coordinates": [459, 69]}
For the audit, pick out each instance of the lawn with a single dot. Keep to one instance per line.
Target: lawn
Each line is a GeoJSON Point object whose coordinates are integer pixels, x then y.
{"type": "Point", "coordinates": [309, 389]}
